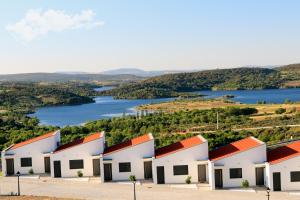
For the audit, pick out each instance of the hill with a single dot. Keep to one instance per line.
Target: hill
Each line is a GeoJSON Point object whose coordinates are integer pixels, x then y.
{"type": "Point", "coordinates": [138, 72]}
{"type": "Point", "coordinates": [172, 85]}
{"type": "Point", "coordinates": [65, 77]}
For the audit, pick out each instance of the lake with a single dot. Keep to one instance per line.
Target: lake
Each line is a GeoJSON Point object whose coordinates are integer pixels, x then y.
{"type": "Point", "coordinates": [107, 107]}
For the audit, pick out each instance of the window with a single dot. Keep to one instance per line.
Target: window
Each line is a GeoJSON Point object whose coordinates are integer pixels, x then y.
{"type": "Point", "coordinates": [26, 162]}
{"type": "Point", "coordinates": [236, 173]}
{"type": "Point", "coordinates": [295, 176]}
{"type": "Point", "coordinates": [76, 164]}
{"type": "Point", "coordinates": [125, 167]}
{"type": "Point", "coordinates": [180, 170]}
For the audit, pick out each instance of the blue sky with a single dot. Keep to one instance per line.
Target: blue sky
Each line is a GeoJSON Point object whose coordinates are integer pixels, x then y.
{"type": "Point", "coordinates": [93, 36]}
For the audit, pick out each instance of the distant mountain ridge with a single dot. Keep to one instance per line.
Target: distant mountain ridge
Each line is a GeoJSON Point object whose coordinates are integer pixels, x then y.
{"type": "Point", "coordinates": [140, 72]}
{"type": "Point", "coordinates": [63, 77]}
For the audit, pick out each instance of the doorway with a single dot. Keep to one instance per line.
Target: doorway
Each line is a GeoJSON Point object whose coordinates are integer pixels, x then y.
{"type": "Point", "coordinates": [260, 176]}
{"type": "Point", "coordinates": [148, 169]}
{"type": "Point", "coordinates": [10, 169]}
{"type": "Point", "coordinates": [202, 173]}
{"type": "Point", "coordinates": [276, 181]}
{"type": "Point", "coordinates": [96, 167]}
{"type": "Point", "coordinates": [57, 169]}
{"type": "Point", "coordinates": [218, 178]}
{"type": "Point", "coordinates": [107, 172]}
{"type": "Point", "coordinates": [160, 174]}
{"type": "Point", "coordinates": [47, 164]}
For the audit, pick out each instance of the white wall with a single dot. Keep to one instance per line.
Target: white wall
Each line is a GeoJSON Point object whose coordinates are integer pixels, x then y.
{"type": "Point", "coordinates": [188, 156]}
{"type": "Point", "coordinates": [245, 160]}
{"type": "Point", "coordinates": [36, 151]}
{"type": "Point", "coordinates": [284, 167]}
{"type": "Point", "coordinates": [134, 155]}
{"type": "Point", "coordinates": [83, 152]}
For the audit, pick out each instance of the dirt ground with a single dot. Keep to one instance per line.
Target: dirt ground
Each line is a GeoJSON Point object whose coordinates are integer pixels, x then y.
{"type": "Point", "coordinates": [31, 198]}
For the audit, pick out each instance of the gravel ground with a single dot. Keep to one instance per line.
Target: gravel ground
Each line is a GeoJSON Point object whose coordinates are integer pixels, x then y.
{"type": "Point", "coordinates": [115, 191]}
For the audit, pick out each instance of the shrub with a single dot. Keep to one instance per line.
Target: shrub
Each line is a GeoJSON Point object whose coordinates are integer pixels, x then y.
{"type": "Point", "coordinates": [132, 178]}
{"type": "Point", "coordinates": [280, 110]}
{"type": "Point", "coordinates": [79, 174]}
{"type": "Point", "coordinates": [188, 180]}
{"type": "Point", "coordinates": [245, 183]}
{"type": "Point", "coordinates": [31, 171]}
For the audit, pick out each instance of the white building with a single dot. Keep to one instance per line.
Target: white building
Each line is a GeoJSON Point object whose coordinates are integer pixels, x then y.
{"type": "Point", "coordinates": [174, 163]}
{"type": "Point", "coordinates": [283, 167]}
{"type": "Point", "coordinates": [133, 157]}
{"type": "Point", "coordinates": [31, 155]}
{"type": "Point", "coordinates": [81, 155]}
{"type": "Point", "coordinates": [241, 160]}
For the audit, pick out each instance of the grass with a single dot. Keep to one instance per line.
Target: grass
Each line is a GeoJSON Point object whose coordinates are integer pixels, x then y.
{"type": "Point", "coordinates": [264, 110]}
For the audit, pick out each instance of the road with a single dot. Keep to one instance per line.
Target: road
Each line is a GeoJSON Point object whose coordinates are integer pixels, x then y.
{"type": "Point", "coordinates": [117, 191]}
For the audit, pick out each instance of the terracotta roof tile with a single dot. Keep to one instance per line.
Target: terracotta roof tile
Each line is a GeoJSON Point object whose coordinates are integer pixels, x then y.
{"type": "Point", "coordinates": [181, 145]}
{"type": "Point", "coordinates": [41, 137]}
{"type": "Point", "coordinates": [284, 152]}
{"type": "Point", "coordinates": [128, 143]}
{"type": "Point", "coordinates": [234, 148]}
{"type": "Point", "coordinates": [84, 140]}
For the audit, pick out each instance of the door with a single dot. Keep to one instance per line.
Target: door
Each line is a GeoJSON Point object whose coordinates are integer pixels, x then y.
{"type": "Point", "coordinates": [218, 178]}
{"type": "Point", "coordinates": [47, 164]}
{"type": "Point", "coordinates": [148, 169]}
{"type": "Point", "coordinates": [57, 169]}
{"type": "Point", "coordinates": [107, 172]}
{"type": "Point", "coordinates": [201, 173]}
{"type": "Point", "coordinates": [10, 169]}
{"type": "Point", "coordinates": [260, 176]}
{"type": "Point", "coordinates": [96, 167]}
{"type": "Point", "coordinates": [160, 170]}
{"type": "Point", "coordinates": [276, 181]}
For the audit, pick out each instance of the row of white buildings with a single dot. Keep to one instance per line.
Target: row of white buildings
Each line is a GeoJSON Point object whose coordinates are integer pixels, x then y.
{"type": "Point", "coordinates": [224, 167]}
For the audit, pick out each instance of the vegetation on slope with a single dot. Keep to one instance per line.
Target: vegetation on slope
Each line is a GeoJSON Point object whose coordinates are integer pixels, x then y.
{"type": "Point", "coordinates": [171, 85]}
{"type": "Point", "coordinates": [25, 97]}
{"type": "Point", "coordinates": [166, 127]}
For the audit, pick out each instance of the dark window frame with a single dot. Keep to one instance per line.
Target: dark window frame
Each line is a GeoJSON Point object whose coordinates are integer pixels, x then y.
{"type": "Point", "coordinates": [179, 170]}
{"type": "Point", "coordinates": [124, 167]}
{"type": "Point", "coordinates": [79, 164]}
{"type": "Point", "coordinates": [295, 179]}
{"type": "Point", "coordinates": [26, 162]}
{"type": "Point", "coordinates": [233, 174]}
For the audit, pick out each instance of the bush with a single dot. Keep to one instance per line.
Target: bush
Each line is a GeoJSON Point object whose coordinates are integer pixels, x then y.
{"type": "Point", "coordinates": [79, 174]}
{"type": "Point", "coordinates": [31, 171]}
{"type": "Point", "coordinates": [188, 180]}
{"type": "Point", "coordinates": [280, 110]}
{"type": "Point", "coordinates": [132, 178]}
{"type": "Point", "coordinates": [245, 183]}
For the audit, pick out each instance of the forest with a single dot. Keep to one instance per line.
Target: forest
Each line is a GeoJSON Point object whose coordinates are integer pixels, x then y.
{"type": "Point", "coordinates": [174, 85]}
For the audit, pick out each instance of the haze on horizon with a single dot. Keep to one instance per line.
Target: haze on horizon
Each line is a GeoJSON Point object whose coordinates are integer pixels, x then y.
{"type": "Point", "coordinates": [94, 36]}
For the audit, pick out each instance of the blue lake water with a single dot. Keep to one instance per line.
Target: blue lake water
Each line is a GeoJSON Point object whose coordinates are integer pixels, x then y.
{"type": "Point", "coordinates": [107, 107]}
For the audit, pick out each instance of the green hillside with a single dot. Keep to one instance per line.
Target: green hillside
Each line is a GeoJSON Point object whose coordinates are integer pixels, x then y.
{"type": "Point", "coordinates": [173, 85]}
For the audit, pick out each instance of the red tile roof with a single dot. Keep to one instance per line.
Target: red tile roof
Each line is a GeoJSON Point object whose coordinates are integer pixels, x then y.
{"type": "Point", "coordinates": [234, 148]}
{"type": "Point", "coordinates": [84, 140]}
{"type": "Point", "coordinates": [181, 145]}
{"type": "Point", "coordinates": [129, 143]}
{"type": "Point", "coordinates": [284, 153]}
{"type": "Point", "coordinates": [41, 137]}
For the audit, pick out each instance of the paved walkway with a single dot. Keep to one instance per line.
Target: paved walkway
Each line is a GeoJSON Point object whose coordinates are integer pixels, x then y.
{"type": "Point", "coordinates": [115, 191]}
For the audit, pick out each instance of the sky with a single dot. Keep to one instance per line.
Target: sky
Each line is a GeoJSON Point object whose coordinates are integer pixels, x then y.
{"type": "Point", "coordinates": [93, 36]}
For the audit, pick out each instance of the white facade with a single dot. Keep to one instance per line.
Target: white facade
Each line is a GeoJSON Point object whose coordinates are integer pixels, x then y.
{"type": "Point", "coordinates": [285, 168]}
{"type": "Point", "coordinates": [247, 160]}
{"type": "Point", "coordinates": [135, 155]}
{"type": "Point", "coordinates": [36, 150]}
{"type": "Point", "coordinates": [85, 151]}
{"type": "Point", "coordinates": [192, 157]}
